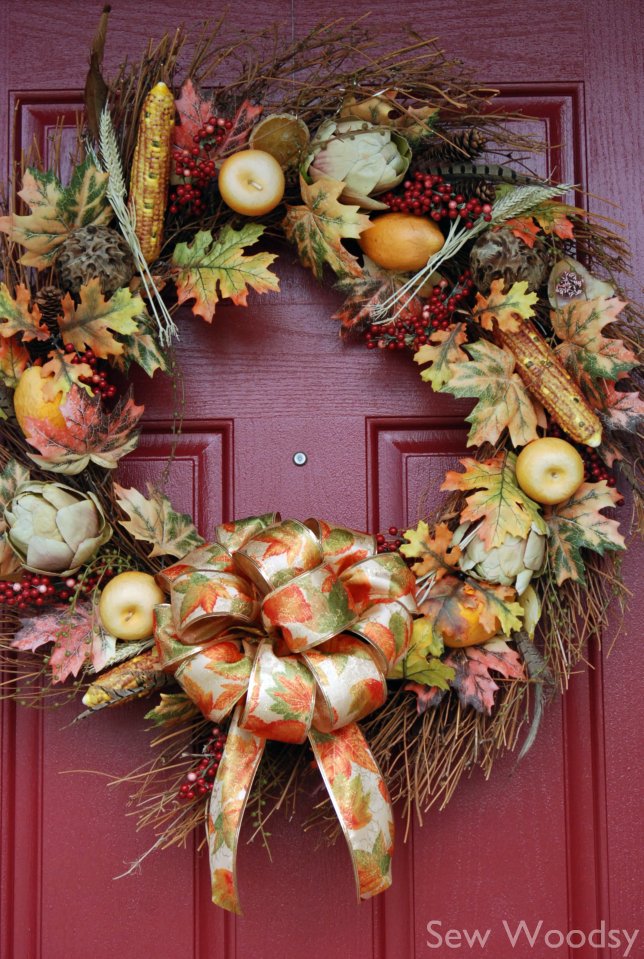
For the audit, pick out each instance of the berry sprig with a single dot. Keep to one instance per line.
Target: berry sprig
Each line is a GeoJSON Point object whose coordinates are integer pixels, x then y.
{"type": "Point", "coordinates": [197, 167]}
{"type": "Point", "coordinates": [98, 380]}
{"type": "Point", "coordinates": [198, 782]}
{"type": "Point", "coordinates": [410, 330]}
{"type": "Point", "coordinates": [36, 590]}
{"type": "Point", "coordinates": [383, 545]}
{"type": "Point", "coordinates": [427, 194]}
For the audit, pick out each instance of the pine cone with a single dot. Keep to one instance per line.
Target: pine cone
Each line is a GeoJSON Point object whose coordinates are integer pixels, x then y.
{"type": "Point", "coordinates": [483, 190]}
{"type": "Point", "coordinates": [95, 252]}
{"type": "Point", "coordinates": [49, 302]}
{"type": "Point", "coordinates": [459, 147]}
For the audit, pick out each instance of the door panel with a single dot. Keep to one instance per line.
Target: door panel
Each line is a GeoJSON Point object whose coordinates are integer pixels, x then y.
{"type": "Point", "coordinates": [262, 384]}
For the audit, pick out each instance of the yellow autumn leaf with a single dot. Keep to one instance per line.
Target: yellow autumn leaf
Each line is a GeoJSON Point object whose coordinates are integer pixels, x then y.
{"type": "Point", "coordinates": [91, 323]}
{"type": "Point", "coordinates": [318, 228]}
{"type": "Point", "coordinates": [506, 309]}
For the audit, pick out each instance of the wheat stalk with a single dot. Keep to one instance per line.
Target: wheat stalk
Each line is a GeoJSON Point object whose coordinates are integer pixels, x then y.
{"type": "Point", "coordinates": [516, 203]}
{"type": "Point", "coordinates": [116, 194]}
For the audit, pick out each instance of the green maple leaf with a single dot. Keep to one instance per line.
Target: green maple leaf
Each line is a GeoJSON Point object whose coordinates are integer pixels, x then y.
{"type": "Point", "coordinates": [154, 521]}
{"type": "Point", "coordinates": [92, 323]}
{"type": "Point", "coordinates": [56, 210]}
{"type": "Point", "coordinates": [579, 524]}
{"type": "Point", "coordinates": [503, 400]}
{"type": "Point", "coordinates": [209, 268]}
{"type": "Point", "coordinates": [318, 228]}
{"type": "Point", "coordinates": [584, 348]}
{"type": "Point", "coordinates": [443, 352]}
{"type": "Point", "coordinates": [501, 506]}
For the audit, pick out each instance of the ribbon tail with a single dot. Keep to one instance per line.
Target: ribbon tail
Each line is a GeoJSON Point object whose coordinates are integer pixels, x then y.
{"type": "Point", "coordinates": [361, 800]}
{"type": "Point", "coordinates": [231, 789]}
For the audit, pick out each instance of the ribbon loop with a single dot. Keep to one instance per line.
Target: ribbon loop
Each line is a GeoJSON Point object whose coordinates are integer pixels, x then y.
{"type": "Point", "coordinates": [293, 628]}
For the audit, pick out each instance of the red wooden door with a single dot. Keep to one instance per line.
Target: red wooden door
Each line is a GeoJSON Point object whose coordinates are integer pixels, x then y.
{"type": "Point", "coordinates": [555, 841]}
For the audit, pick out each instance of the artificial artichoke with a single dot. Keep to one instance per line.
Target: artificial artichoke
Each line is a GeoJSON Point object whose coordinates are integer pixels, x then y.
{"type": "Point", "coordinates": [53, 528]}
{"type": "Point", "coordinates": [514, 563]}
{"type": "Point", "coordinates": [369, 159]}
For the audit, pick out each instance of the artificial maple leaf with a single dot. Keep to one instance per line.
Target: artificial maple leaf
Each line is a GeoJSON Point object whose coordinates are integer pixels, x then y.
{"type": "Point", "coordinates": [14, 360]}
{"type": "Point", "coordinates": [59, 374]}
{"type": "Point", "coordinates": [208, 269]}
{"type": "Point", "coordinates": [443, 352]}
{"type": "Point", "coordinates": [472, 667]}
{"type": "Point", "coordinates": [318, 228]}
{"type": "Point", "coordinates": [551, 217]}
{"type": "Point", "coordinates": [500, 504]}
{"type": "Point", "coordinates": [435, 551]}
{"type": "Point", "coordinates": [89, 435]}
{"type": "Point", "coordinates": [368, 291]}
{"type": "Point", "coordinates": [579, 524]}
{"type": "Point", "coordinates": [142, 348]}
{"type": "Point", "coordinates": [56, 210]}
{"type": "Point", "coordinates": [453, 602]}
{"type": "Point", "coordinates": [622, 411]}
{"type": "Point", "coordinates": [154, 521]}
{"type": "Point", "coordinates": [71, 632]}
{"type": "Point", "coordinates": [579, 325]}
{"type": "Point", "coordinates": [504, 402]}
{"type": "Point", "coordinates": [524, 228]}
{"type": "Point", "coordinates": [92, 322]}
{"type": "Point", "coordinates": [504, 309]}
{"type": "Point", "coordinates": [18, 316]}
{"type": "Point", "coordinates": [193, 112]}
{"type": "Point", "coordinates": [426, 695]}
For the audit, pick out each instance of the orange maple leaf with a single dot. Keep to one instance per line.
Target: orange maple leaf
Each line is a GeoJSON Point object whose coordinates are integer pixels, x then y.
{"type": "Point", "coordinates": [524, 228]}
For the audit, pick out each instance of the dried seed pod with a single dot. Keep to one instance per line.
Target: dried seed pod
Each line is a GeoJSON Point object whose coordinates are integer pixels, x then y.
{"type": "Point", "coordinates": [95, 252]}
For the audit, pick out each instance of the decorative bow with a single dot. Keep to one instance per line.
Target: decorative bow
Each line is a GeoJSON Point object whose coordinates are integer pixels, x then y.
{"type": "Point", "coordinates": [293, 628]}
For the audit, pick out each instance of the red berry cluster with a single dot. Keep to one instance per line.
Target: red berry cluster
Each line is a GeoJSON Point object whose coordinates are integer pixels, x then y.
{"type": "Point", "coordinates": [410, 330]}
{"type": "Point", "coordinates": [198, 782]}
{"type": "Point", "coordinates": [594, 467]}
{"type": "Point", "coordinates": [32, 589]}
{"type": "Point", "coordinates": [98, 380]}
{"type": "Point", "coordinates": [383, 546]}
{"type": "Point", "coordinates": [196, 166]}
{"type": "Point", "coordinates": [429, 195]}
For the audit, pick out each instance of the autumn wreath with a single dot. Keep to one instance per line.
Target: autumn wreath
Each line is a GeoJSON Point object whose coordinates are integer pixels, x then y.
{"type": "Point", "coordinates": [395, 177]}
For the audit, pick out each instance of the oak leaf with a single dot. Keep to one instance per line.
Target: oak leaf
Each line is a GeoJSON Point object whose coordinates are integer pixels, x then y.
{"type": "Point", "coordinates": [472, 667]}
{"type": "Point", "coordinates": [498, 501]}
{"type": "Point", "coordinates": [91, 323]}
{"type": "Point", "coordinates": [208, 269]}
{"type": "Point", "coordinates": [56, 210]}
{"type": "Point", "coordinates": [443, 352]}
{"type": "Point", "coordinates": [435, 551]}
{"type": "Point", "coordinates": [579, 325]}
{"type": "Point", "coordinates": [503, 400]}
{"type": "Point", "coordinates": [90, 434]}
{"type": "Point", "coordinates": [579, 524]}
{"type": "Point", "coordinates": [14, 360]}
{"type": "Point", "coordinates": [72, 633]}
{"type": "Point", "coordinates": [18, 316]}
{"type": "Point", "coordinates": [504, 309]}
{"type": "Point", "coordinates": [154, 521]}
{"type": "Point", "coordinates": [318, 228]}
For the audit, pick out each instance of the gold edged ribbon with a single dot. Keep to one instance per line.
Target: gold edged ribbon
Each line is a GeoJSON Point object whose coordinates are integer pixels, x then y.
{"type": "Point", "coordinates": [291, 627]}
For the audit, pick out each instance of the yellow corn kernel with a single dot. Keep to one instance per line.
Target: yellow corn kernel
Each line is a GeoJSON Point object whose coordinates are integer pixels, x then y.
{"type": "Point", "coordinates": [549, 381]}
{"type": "Point", "coordinates": [150, 173]}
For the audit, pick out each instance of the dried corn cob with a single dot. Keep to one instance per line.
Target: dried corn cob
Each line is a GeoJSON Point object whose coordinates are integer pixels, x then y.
{"type": "Point", "coordinates": [151, 169]}
{"type": "Point", "coordinates": [135, 677]}
{"type": "Point", "coordinates": [551, 383]}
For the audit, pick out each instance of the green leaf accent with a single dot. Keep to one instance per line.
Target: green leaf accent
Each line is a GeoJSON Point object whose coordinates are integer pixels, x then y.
{"type": "Point", "coordinates": [172, 708]}
{"type": "Point", "coordinates": [434, 673]}
{"type": "Point", "coordinates": [578, 524]}
{"type": "Point", "coordinates": [154, 521]}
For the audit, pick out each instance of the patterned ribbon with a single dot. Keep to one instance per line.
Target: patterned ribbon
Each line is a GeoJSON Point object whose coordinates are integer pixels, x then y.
{"type": "Point", "coordinates": [291, 627]}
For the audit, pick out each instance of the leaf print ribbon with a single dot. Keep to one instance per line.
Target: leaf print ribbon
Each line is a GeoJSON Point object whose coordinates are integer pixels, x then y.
{"type": "Point", "coordinates": [293, 628]}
